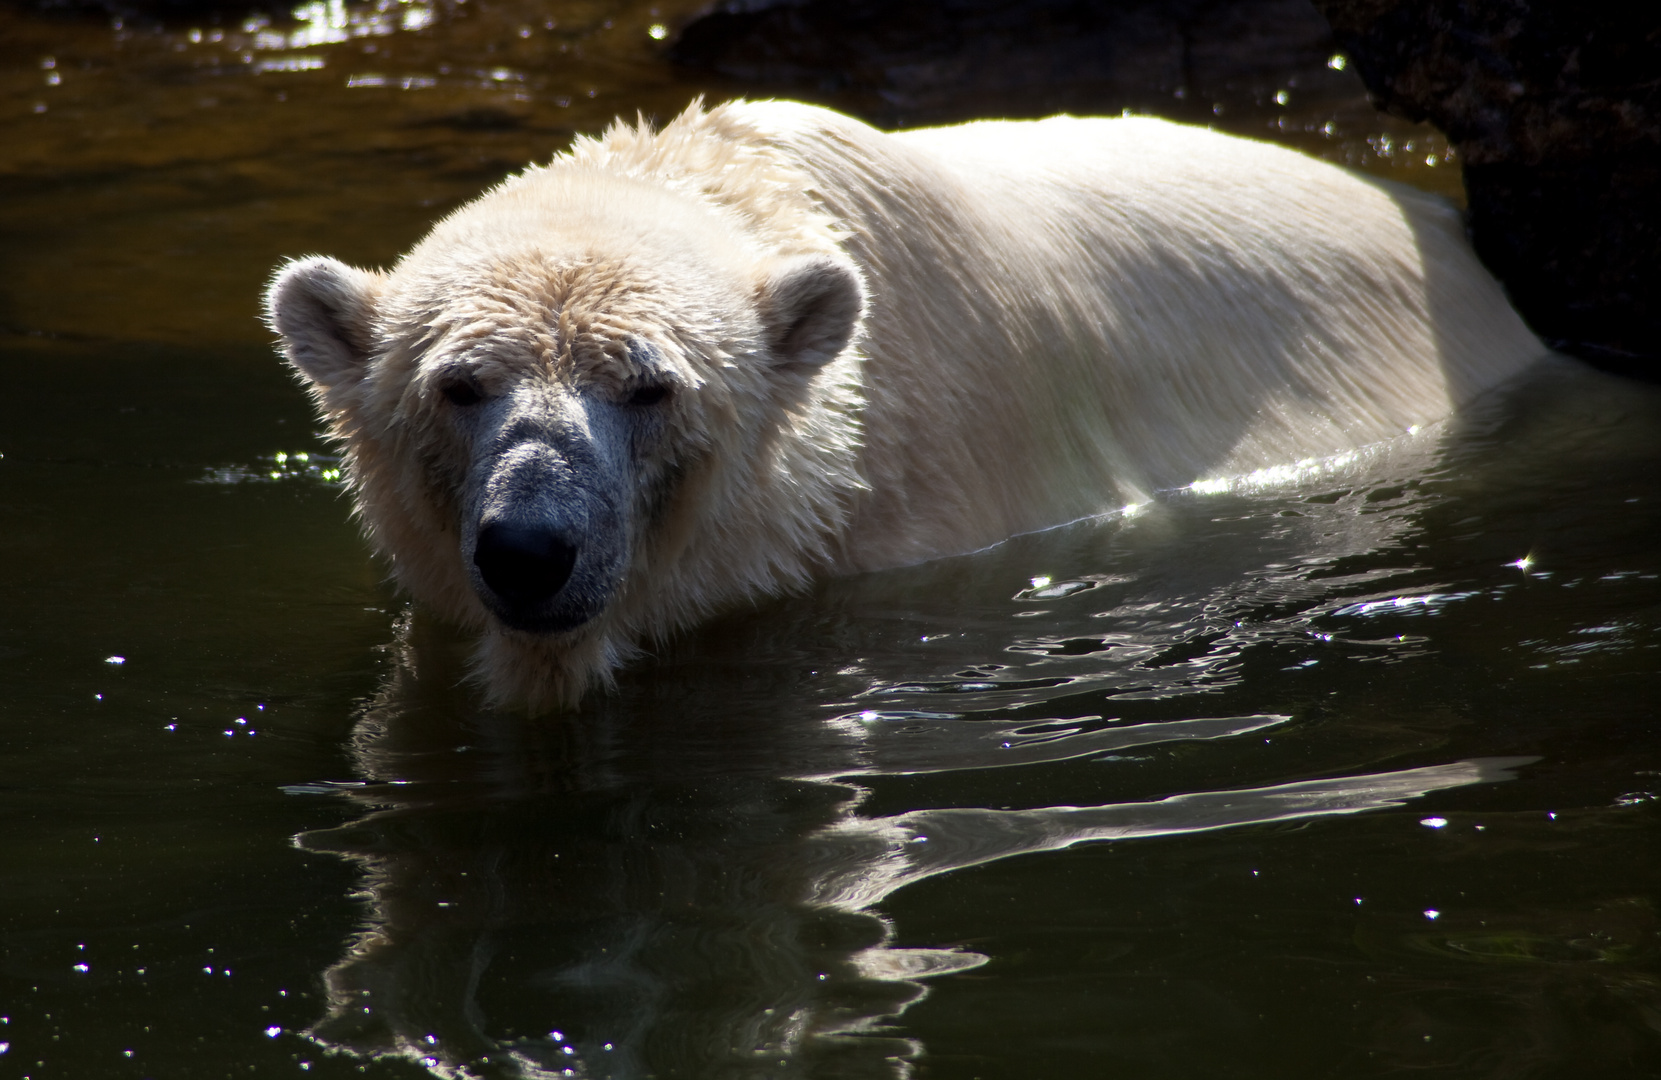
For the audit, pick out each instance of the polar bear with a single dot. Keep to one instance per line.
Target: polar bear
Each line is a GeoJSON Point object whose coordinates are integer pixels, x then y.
{"type": "Point", "coordinates": [676, 369]}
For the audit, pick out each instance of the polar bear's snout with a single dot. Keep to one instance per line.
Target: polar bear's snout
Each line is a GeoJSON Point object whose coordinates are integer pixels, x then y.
{"type": "Point", "coordinates": [547, 536]}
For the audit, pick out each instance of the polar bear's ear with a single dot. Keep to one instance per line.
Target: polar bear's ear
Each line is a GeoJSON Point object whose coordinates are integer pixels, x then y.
{"type": "Point", "coordinates": [811, 307]}
{"type": "Point", "coordinates": [322, 309]}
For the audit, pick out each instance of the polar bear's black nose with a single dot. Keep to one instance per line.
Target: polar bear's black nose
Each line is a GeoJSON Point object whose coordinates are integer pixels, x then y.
{"type": "Point", "coordinates": [526, 567]}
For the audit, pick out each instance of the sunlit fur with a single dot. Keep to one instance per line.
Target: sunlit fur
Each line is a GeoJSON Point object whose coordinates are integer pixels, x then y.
{"type": "Point", "coordinates": [1061, 317]}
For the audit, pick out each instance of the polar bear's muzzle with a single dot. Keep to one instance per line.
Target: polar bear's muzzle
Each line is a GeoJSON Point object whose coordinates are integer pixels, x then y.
{"type": "Point", "coordinates": [547, 541]}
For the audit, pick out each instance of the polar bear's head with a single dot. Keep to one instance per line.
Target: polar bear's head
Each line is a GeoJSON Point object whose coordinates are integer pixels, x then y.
{"type": "Point", "coordinates": [580, 411]}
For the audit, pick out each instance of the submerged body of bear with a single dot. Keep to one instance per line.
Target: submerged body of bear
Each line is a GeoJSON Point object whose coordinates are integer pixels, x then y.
{"type": "Point", "coordinates": [677, 369]}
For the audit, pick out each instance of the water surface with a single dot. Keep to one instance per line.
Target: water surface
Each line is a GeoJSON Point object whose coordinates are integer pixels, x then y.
{"type": "Point", "coordinates": [1347, 771]}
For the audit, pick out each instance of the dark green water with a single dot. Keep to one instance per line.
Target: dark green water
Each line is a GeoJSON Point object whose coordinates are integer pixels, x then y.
{"type": "Point", "coordinates": [1352, 775]}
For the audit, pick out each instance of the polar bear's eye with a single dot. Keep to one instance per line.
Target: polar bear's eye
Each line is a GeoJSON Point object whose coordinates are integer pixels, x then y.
{"type": "Point", "coordinates": [461, 391]}
{"type": "Point", "coordinates": [649, 394]}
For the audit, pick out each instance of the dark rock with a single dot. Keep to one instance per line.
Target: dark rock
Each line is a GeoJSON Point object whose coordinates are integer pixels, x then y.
{"type": "Point", "coordinates": [1555, 108]}
{"type": "Point", "coordinates": [900, 64]}
{"type": "Point", "coordinates": [162, 12]}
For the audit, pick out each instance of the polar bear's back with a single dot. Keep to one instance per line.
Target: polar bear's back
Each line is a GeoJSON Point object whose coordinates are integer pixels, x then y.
{"type": "Point", "coordinates": [1267, 264]}
{"type": "Point", "coordinates": [1081, 311]}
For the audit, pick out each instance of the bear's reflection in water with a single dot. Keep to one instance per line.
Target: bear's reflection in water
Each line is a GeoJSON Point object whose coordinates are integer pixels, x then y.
{"type": "Point", "coordinates": [680, 881]}
{"type": "Point", "coordinates": [634, 916]}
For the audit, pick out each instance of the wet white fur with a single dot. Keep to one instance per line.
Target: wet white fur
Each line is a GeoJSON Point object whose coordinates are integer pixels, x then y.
{"type": "Point", "coordinates": [1060, 318]}
{"type": "Point", "coordinates": [1070, 314]}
